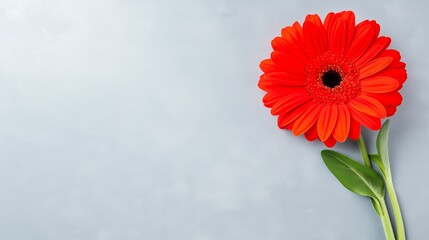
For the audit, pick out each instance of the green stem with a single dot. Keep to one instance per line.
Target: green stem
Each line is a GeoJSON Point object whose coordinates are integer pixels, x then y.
{"type": "Point", "coordinates": [400, 230]}
{"type": "Point", "coordinates": [387, 225]}
{"type": "Point", "coordinates": [384, 215]}
{"type": "Point", "coordinates": [364, 152]}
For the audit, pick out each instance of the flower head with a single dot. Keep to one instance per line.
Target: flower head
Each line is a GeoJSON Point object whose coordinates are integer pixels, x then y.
{"type": "Point", "coordinates": [326, 79]}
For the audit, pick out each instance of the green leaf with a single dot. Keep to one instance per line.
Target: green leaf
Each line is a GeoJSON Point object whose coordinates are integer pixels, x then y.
{"type": "Point", "coordinates": [377, 160]}
{"type": "Point", "coordinates": [354, 176]}
{"type": "Point", "coordinates": [382, 148]}
{"type": "Point", "coordinates": [377, 206]}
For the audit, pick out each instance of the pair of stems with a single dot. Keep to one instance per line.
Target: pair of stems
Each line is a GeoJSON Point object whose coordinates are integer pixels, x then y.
{"type": "Point", "coordinates": [384, 214]}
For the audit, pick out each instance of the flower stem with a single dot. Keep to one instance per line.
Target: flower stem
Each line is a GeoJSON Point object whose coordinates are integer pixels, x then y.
{"type": "Point", "coordinates": [385, 219]}
{"type": "Point", "coordinates": [400, 230]}
{"type": "Point", "coordinates": [384, 215]}
{"type": "Point", "coordinates": [364, 152]}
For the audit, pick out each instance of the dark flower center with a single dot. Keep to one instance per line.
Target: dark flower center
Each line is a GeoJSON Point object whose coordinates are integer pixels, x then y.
{"type": "Point", "coordinates": [331, 78]}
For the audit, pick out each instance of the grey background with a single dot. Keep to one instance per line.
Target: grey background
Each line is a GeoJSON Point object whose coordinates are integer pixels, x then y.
{"type": "Point", "coordinates": [124, 119]}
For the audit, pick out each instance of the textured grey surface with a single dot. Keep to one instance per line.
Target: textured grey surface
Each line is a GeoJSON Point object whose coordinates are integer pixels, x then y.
{"type": "Point", "coordinates": [142, 120]}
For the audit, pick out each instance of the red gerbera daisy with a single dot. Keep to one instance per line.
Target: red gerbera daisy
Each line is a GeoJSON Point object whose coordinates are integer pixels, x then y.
{"type": "Point", "coordinates": [326, 79]}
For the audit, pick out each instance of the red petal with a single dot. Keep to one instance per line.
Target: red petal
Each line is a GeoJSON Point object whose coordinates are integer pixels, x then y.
{"type": "Point", "coordinates": [288, 62]}
{"type": "Point", "coordinates": [369, 106]}
{"type": "Point", "coordinates": [397, 64]}
{"type": "Point", "coordinates": [306, 120]}
{"type": "Point", "coordinates": [349, 18]}
{"type": "Point", "coordinates": [293, 35]}
{"type": "Point", "coordinates": [391, 53]}
{"type": "Point", "coordinates": [354, 129]}
{"type": "Point", "coordinates": [387, 99]}
{"type": "Point", "coordinates": [314, 35]}
{"type": "Point", "coordinates": [329, 20]}
{"type": "Point", "coordinates": [287, 118]}
{"type": "Point", "coordinates": [338, 36]}
{"type": "Point", "coordinates": [391, 111]}
{"type": "Point", "coordinates": [336, 30]}
{"type": "Point", "coordinates": [364, 35]}
{"type": "Point", "coordinates": [399, 74]}
{"type": "Point", "coordinates": [276, 94]}
{"type": "Point", "coordinates": [279, 44]}
{"type": "Point", "coordinates": [290, 102]}
{"type": "Point", "coordinates": [379, 84]}
{"type": "Point", "coordinates": [374, 66]}
{"type": "Point", "coordinates": [273, 80]}
{"type": "Point", "coordinates": [289, 50]}
{"type": "Point", "coordinates": [379, 45]}
{"type": "Point", "coordinates": [342, 128]}
{"type": "Point", "coordinates": [311, 134]}
{"type": "Point", "coordinates": [365, 119]}
{"type": "Point", "coordinates": [298, 29]}
{"type": "Point", "coordinates": [330, 142]}
{"type": "Point", "coordinates": [327, 120]}
{"type": "Point", "coordinates": [333, 24]}
{"type": "Point", "coordinates": [268, 65]}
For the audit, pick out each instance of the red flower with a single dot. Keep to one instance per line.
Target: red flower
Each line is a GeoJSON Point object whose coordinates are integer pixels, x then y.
{"type": "Point", "coordinates": [327, 79]}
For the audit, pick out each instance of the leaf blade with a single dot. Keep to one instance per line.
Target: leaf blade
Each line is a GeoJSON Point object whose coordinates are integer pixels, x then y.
{"type": "Point", "coordinates": [377, 160]}
{"type": "Point", "coordinates": [354, 176]}
{"type": "Point", "coordinates": [377, 206]}
{"type": "Point", "coordinates": [382, 146]}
